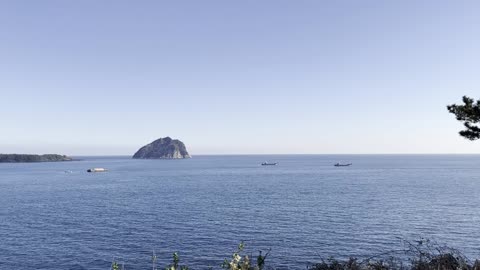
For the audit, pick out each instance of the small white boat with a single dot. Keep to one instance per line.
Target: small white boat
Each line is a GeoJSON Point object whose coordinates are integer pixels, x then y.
{"type": "Point", "coordinates": [97, 170]}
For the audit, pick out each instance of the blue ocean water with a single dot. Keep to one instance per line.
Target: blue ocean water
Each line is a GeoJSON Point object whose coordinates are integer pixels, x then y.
{"type": "Point", "coordinates": [303, 209]}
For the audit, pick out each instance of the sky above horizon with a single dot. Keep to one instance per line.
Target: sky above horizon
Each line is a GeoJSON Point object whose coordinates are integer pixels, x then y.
{"type": "Point", "coordinates": [237, 77]}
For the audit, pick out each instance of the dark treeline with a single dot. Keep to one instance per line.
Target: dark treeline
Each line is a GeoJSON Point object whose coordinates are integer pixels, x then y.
{"type": "Point", "coordinates": [32, 158]}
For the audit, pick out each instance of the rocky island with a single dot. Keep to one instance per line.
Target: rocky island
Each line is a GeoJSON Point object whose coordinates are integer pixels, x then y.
{"type": "Point", "coordinates": [163, 148]}
{"type": "Point", "coordinates": [15, 158]}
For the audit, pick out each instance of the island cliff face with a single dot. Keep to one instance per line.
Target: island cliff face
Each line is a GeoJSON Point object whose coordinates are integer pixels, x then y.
{"type": "Point", "coordinates": [163, 148]}
{"type": "Point", "coordinates": [13, 158]}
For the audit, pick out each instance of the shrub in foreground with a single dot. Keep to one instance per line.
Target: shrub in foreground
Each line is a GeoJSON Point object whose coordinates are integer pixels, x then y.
{"type": "Point", "coordinates": [420, 255]}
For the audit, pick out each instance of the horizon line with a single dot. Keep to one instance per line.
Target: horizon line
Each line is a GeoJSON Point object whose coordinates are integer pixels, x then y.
{"type": "Point", "coordinates": [290, 154]}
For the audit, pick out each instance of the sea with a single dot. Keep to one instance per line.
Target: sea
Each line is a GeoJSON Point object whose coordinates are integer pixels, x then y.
{"type": "Point", "coordinates": [59, 216]}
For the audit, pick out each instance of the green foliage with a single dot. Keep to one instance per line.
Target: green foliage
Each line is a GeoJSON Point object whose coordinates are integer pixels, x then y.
{"type": "Point", "coordinates": [469, 114]}
{"type": "Point", "coordinates": [154, 260]}
{"type": "Point", "coordinates": [175, 264]}
{"type": "Point", "coordinates": [116, 266]}
{"type": "Point", "coordinates": [426, 255]}
{"type": "Point", "coordinates": [243, 262]}
{"type": "Point", "coordinates": [423, 255]}
{"type": "Point", "coordinates": [333, 264]}
{"type": "Point", "coordinates": [355, 264]}
{"type": "Point", "coordinates": [418, 255]}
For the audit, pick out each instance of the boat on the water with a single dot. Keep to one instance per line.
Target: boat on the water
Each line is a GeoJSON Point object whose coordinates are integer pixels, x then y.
{"type": "Point", "coordinates": [97, 170]}
{"type": "Point", "coordinates": [342, 165]}
{"type": "Point", "coordinates": [269, 163]}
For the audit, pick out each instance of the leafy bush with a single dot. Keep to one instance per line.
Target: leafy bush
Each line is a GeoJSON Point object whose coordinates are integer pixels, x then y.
{"type": "Point", "coordinates": [243, 262]}
{"type": "Point", "coordinates": [419, 255]}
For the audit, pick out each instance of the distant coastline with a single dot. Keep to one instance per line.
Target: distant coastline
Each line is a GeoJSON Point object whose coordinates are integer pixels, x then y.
{"type": "Point", "coordinates": [28, 158]}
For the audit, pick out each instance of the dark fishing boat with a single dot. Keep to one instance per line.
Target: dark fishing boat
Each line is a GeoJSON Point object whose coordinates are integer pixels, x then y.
{"type": "Point", "coordinates": [269, 164]}
{"type": "Point", "coordinates": [342, 165]}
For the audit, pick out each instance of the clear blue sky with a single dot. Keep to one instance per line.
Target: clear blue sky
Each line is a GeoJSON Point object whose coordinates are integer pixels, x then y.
{"type": "Point", "coordinates": [227, 77]}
